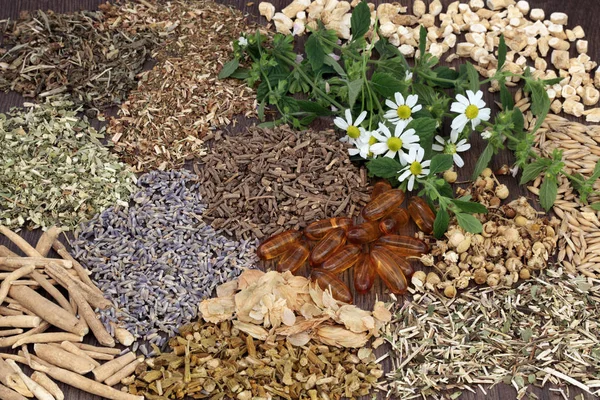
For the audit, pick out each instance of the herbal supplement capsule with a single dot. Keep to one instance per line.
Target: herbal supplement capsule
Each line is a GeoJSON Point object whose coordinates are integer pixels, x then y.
{"type": "Point", "coordinates": [329, 245]}
{"type": "Point", "coordinates": [379, 188]}
{"type": "Point", "coordinates": [403, 245]}
{"type": "Point", "coordinates": [293, 258]}
{"type": "Point", "coordinates": [278, 244]}
{"type": "Point", "coordinates": [366, 232]}
{"type": "Point", "coordinates": [393, 222]}
{"type": "Point", "coordinates": [327, 280]}
{"type": "Point", "coordinates": [342, 260]}
{"type": "Point", "coordinates": [364, 274]}
{"type": "Point", "coordinates": [388, 271]}
{"type": "Point", "coordinates": [318, 229]}
{"type": "Point", "coordinates": [421, 213]}
{"type": "Point", "coordinates": [383, 204]}
{"type": "Point", "coordinates": [404, 265]}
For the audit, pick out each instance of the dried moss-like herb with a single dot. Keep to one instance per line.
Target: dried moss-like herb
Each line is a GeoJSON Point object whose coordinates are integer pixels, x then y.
{"type": "Point", "coordinates": [93, 55]}
{"type": "Point", "coordinates": [54, 170]}
{"type": "Point", "coordinates": [220, 361]}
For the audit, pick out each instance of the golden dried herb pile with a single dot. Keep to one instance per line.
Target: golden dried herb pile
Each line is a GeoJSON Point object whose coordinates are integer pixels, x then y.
{"type": "Point", "coordinates": [222, 361]}
{"type": "Point", "coordinates": [271, 305]}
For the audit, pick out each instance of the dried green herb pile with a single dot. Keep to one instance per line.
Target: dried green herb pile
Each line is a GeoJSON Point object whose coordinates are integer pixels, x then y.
{"type": "Point", "coordinates": [181, 99]}
{"type": "Point", "coordinates": [265, 181]}
{"type": "Point", "coordinates": [94, 55]}
{"type": "Point", "coordinates": [219, 361]}
{"type": "Point", "coordinates": [544, 330]}
{"type": "Point", "coordinates": [54, 170]}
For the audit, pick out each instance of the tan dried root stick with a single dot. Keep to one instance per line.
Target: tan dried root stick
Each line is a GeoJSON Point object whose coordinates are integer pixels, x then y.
{"type": "Point", "coordinates": [38, 391]}
{"type": "Point", "coordinates": [6, 252]}
{"type": "Point", "coordinates": [65, 280]}
{"type": "Point", "coordinates": [47, 310]}
{"type": "Point", "coordinates": [42, 379]}
{"type": "Point", "coordinates": [62, 358]}
{"type": "Point", "coordinates": [11, 340]}
{"type": "Point", "coordinates": [82, 272]}
{"type": "Point", "coordinates": [9, 394]}
{"type": "Point", "coordinates": [20, 321]}
{"type": "Point", "coordinates": [11, 379]}
{"type": "Point", "coordinates": [104, 371]}
{"type": "Point", "coordinates": [12, 263]}
{"type": "Point", "coordinates": [124, 372]}
{"type": "Point", "coordinates": [19, 242]}
{"type": "Point", "coordinates": [44, 245]}
{"type": "Point", "coordinates": [70, 347]}
{"type": "Point", "coordinates": [10, 332]}
{"type": "Point", "coordinates": [123, 335]}
{"type": "Point", "coordinates": [97, 349]}
{"type": "Point", "coordinates": [48, 338]}
{"type": "Point", "coordinates": [52, 291]}
{"type": "Point", "coordinates": [13, 276]}
{"type": "Point", "coordinates": [86, 312]}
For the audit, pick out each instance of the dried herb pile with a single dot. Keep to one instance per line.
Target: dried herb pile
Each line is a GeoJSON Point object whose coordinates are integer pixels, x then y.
{"type": "Point", "coordinates": [54, 170]}
{"type": "Point", "coordinates": [270, 305]}
{"type": "Point", "coordinates": [93, 55]}
{"type": "Point", "coordinates": [265, 181]}
{"type": "Point", "coordinates": [544, 330]}
{"type": "Point", "coordinates": [180, 100]}
{"type": "Point", "coordinates": [220, 361]}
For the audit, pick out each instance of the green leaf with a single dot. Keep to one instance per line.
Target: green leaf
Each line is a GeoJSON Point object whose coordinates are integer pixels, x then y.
{"type": "Point", "coordinates": [444, 189]}
{"type": "Point", "coordinates": [540, 102]}
{"type": "Point", "coordinates": [440, 225]}
{"type": "Point", "coordinates": [314, 52]}
{"type": "Point", "coordinates": [440, 163]}
{"type": "Point", "coordinates": [229, 68]}
{"type": "Point", "coordinates": [548, 192]}
{"type": "Point", "coordinates": [426, 93]}
{"type": "Point", "coordinates": [425, 128]}
{"type": "Point", "coordinates": [360, 20]}
{"type": "Point", "coordinates": [470, 207]}
{"type": "Point", "coordinates": [444, 72]}
{"type": "Point", "coordinates": [261, 110]}
{"type": "Point", "coordinates": [508, 103]}
{"type": "Point", "coordinates": [384, 167]}
{"type": "Point", "coordinates": [483, 161]}
{"type": "Point", "coordinates": [422, 42]}
{"type": "Point", "coordinates": [473, 77]}
{"type": "Point", "coordinates": [387, 85]}
{"type": "Point", "coordinates": [596, 173]}
{"type": "Point", "coordinates": [533, 170]}
{"type": "Point", "coordinates": [469, 223]}
{"type": "Point", "coordinates": [502, 50]}
{"type": "Point", "coordinates": [518, 122]}
{"type": "Point", "coordinates": [354, 89]}
{"type": "Point", "coordinates": [595, 206]}
{"type": "Point", "coordinates": [328, 60]}
{"type": "Point", "coordinates": [312, 107]}
{"type": "Point", "coordinates": [527, 334]}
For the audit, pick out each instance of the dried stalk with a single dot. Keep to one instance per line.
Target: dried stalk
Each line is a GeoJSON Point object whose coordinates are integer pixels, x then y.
{"type": "Point", "coordinates": [9, 341]}
{"type": "Point", "coordinates": [61, 358]}
{"type": "Point", "coordinates": [71, 348]}
{"type": "Point", "coordinates": [19, 242]}
{"type": "Point", "coordinates": [6, 252]}
{"type": "Point", "coordinates": [47, 338]}
{"type": "Point", "coordinates": [65, 280]}
{"type": "Point", "coordinates": [96, 349]}
{"type": "Point", "coordinates": [10, 332]}
{"type": "Point", "coordinates": [38, 262]}
{"type": "Point", "coordinates": [37, 390]}
{"type": "Point", "coordinates": [20, 321]}
{"type": "Point", "coordinates": [52, 291]}
{"type": "Point", "coordinates": [48, 384]}
{"type": "Point", "coordinates": [108, 369]}
{"type": "Point", "coordinates": [44, 245]}
{"type": "Point", "coordinates": [123, 336]}
{"type": "Point", "coordinates": [8, 394]}
{"type": "Point", "coordinates": [86, 312]}
{"type": "Point", "coordinates": [124, 372]}
{"type": "Point", "coordinates": [48, 310]}
{"type": "Point", "coordinates": [81, 271]}
{"type": "Point", "coordinates": [13, 276]}
{"type": "Point", "coordinates": [9, 378]}
{"type": "Point", "coordinates": [5, 311]}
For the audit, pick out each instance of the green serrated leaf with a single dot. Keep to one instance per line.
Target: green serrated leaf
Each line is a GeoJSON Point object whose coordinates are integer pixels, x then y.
{"type": "Point", "coordinates": [387, 85]}
{"type": "Point", "coordinates": [314, 52]}
{"type": "Point", "coordinates": [469, 223]}
{"type": "Point", "coordinates": [502, 50]}
{"type": "Point", "coordinates": [483, 161]}
{"type": "Point", "coordinates": [548, 192]}
{"type": "Point", "coordinates": [440, 225]}
{"type": "Point", "coordinates": [354, 89]}
{"type": "Point", "coordinates": [384, 167]}
{"type": "Point", "coordinates": [470, 207]}
{"type": "Point", "coordinates": [328, 60]}
{"type": "Point", "coordinates": [540, 102]}
{"type": "Point", "coordinates": [261, 110]}
{"type": "Point", "coordinates": [422, 41]}
{"type": "Point", "coordinates": [506, 98]}
{"type": "Point", "coordinates": [360, 21]}
{"type": "Point", "coordinates": [312, 107]}
{"type": "Point", "coordinates": [440, 163]}
{"type": "Point", "coordinates": [533, 170]}
{"type": "Point", "coordinates": [425, 128]}
{"type": "Point", "coordinates": [473, 77]}
{"type": "Point", "coordinates": [229, 68]}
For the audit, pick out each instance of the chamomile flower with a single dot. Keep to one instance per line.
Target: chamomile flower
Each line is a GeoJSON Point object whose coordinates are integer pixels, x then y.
{"type": "Point", "coordinates": [363, 145]}
{"type": "Point", "coordinates": [471, 108]}
{"type": "Point", "coordinates": [451, 146]}
{"type": "Point", "coordinates": [242, 41]}
{"type": "Point", "coordinates": [408, 76]}
{"type": "Point", "coordinates": [415, 166]}
{"type": "Point", "coordinates": [390, 145]}
{"type": "Point", "coordinates": [353, 130]}
{"type": "Point", "coordinates": [402, 110]}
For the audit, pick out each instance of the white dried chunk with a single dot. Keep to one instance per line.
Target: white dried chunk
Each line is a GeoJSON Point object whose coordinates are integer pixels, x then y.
{"type": "Point", "coordinates": [476, 4]}
{"type": "Point", "coordinates": [478, 28]}
{"type": "Point", "coordinates": [573, 107]}
{"type": "Point", "coordinates": [592, 115]}
{"type": "Point", "coordinates": [387, 29]}
{"type": "Point", "coordinates": [578, 32]}
{"type": "Point", "coordinates": [523, 6]}
{"type": "Point", "coordinates": [266, 9]}
{"type": "Point", "coordinates": [283, 23]}
{"type": "Point", "coordinates": [590, 96]}
{"type": "Point", "coordinates": [407, 50]}
{"type": "Point", "coordinates": [582, 46]}
{"type": "Point", "coordinates": [537, 14]}
{"type": "Point", "coordinates": [419, 8]}
{"type": "Point", "coordinates": [295, 7]}
{"type": "Point", "coordinates": [435, 8]}
{"type": "Point", "coordinates": [559, 44]}
{"type": "Point", "coordinates": [559, 18]}
{"type": "Point", "coordinates": [560, 59]}
{"type": "Point", "coordinates": [496, 5]}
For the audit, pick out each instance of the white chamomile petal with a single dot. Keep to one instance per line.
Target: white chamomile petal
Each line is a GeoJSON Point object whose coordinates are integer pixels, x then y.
{"type": "Point", "coordinates": [458, 160]}
{"type": "Point", "coordinates": [463, 147]}
{"type": "Point", "coordinates": [361, 118]}
{"type": "Point", "coordinates": [411, 182]}
{"type": "Point", "coordinates": [439, 139]}
{"type": "Point", "coordinates": [453, 136]}
{"type": "Point", "coordinates": [379, 148]}
{"type": "Point", "coordinates": [340, 123]}
{"type": "Point", "coordinates": [411, 100]}
{"type": "Point", "coordinates": [390, 104]}
{"type": "Point", "coordinates": [426, 163]}
{"type": "Point", "coordinates": [437, 147]}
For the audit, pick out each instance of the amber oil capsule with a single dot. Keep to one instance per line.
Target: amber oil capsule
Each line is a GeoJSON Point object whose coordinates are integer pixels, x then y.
{"type": "Point", "coordinates": [318, 229]}
{"type": "Point", "coordinates": [364, 274]}
{"type": "Point", "coordinates": [405, 246]}
{"type": "Point", "coordinates": [329, 245]}
{"type": "Point", "coordinates": [366, 232]}
{"type": "Point", "coordinates": [421, 213]}
{"type": "Point", "coordinates": [383, 205]}
{"type": "Point", "coordinates": [404, 265]}
{"type": "Point", "coordinates": [278, 244]}
{"type": "Point", "coordinates": [394, 221]}
{"type": "Point", "coordinates": [345, 258]}
{"type": "Point", "coordinates": [327, 280]}
{"type": "Point", "coordinates": [379, 188]}
{"type": "Point", "coordinates": [389, 272]}
{"type": "Point", "coordinates": [293, 258]}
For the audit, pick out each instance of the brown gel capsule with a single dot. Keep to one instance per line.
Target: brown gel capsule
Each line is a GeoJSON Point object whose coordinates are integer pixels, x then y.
{"type": "Point", "coordinates": [278, 244]}
{"type": "Point", "coordinates": [326, 280]}
{"type": "Point", "coordinates": [393, 222]}
{"type": "Point", "coordinates": [405, 246]}
{"type": "Point", "coordinates": [293, 258]}
{"type": "Point", "coordinates": [421, 213]}
{"type": "Point", "coordinates": [404, 265]}
{"type": "Point", "coordinates": [389, 272]}
{"type": "Point", "coordinates": [379, 188]}
{"type": "Point", "coordinates": [318, 229]}
{"type": "Point", "coordinates": [330, 244]}
{"type": "Point", "coordinates": [342, 260]}
{"type": "Point", "coordinates": [383, 205]}
{"type": "Point", "coordinates": [366, 232]}
{"type": "Point", "coordinates": [364, 274]}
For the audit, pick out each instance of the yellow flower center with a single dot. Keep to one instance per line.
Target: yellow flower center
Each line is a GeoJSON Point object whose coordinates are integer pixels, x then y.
{"type": "Point", "coordinates": [394, 143]}
{"type": "Point", "coordinates": [472, 111]}
{"type": "Point", "coordinates": [415, 168]}
{"type": "Point", "coordinates": [372, 140]}
{"type": "Point", "coordinates": [404, 112]}
{"type": "Point", "coordinates": [353, 132]}
{"type": "Point", "coordinates": [450, 148]}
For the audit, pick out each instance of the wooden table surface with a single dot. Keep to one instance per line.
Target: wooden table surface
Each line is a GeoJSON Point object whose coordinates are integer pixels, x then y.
{"type": "Point", "coordinates": [581, 12]}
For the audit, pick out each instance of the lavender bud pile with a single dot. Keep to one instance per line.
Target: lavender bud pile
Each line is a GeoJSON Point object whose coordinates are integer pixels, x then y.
{"type": "Point", "coordinates": [157, 260]}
